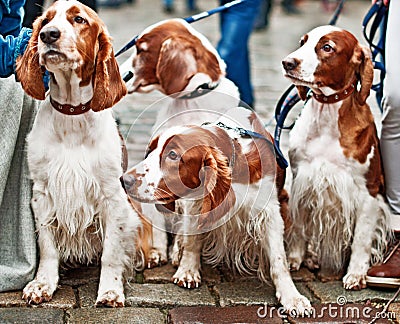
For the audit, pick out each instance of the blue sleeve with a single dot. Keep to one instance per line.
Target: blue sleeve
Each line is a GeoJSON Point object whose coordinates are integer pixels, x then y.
{"type": "Point", "coordinates": [13, 39]}
{"type": "Point", "coordinates": [10, 48]}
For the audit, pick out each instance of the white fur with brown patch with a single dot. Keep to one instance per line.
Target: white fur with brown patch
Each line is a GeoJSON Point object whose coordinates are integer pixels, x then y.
{"type": "Point", "coordinates": [225, 217]}
{"type": "Point", "coordinates": [169, 55]}
{"type": "Point", "coordinates": [340, 218]}
{"type": "Point", "coordinates": [82, 213]}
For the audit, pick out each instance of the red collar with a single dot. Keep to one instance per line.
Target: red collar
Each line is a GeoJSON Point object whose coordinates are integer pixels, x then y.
{"type": "Point", "coordinates": [69, 109]}
{"type": "Point", "coordinates": [336, 97]}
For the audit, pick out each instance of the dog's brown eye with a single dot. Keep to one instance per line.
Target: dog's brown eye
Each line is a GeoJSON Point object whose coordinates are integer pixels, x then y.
{"type": "Point", "coordinates": [173, 155]}
{"type": "Point", "coordinates": [45, 21]}
{"type": "Point", "coordinates": [79, 20]}
{"type": "Point", "coordinates": [327, 48]}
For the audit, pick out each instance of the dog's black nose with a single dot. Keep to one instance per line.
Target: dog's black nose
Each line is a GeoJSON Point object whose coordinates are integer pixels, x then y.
{"type": "Point", "coordinates": [49, 35]}
{"type": "Point", "coordinates": [290, 63]}
{"type": "Point", "coordinates": [127, 181]}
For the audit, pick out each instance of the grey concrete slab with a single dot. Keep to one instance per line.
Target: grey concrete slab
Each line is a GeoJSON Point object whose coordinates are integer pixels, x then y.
{"type": "Point", "coordinates": [64, 298]}
{"type": "Point", "coordinates": [167, 295]}
{"type": "Point", "coordinates": [153, 295]}
{"type": "Point", "coordinates": [245, 291]}
{"type": "Point", "coordinates": [31, 315]}
{"type": "Point", "coordinates": [251, 291]}
{"type": "Point", "coordinates": [333, 292]}
{"type": "Point", "coordinates": [118, 315]}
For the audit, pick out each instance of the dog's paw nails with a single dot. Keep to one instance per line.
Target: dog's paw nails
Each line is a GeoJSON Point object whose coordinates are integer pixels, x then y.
{"type": "Point", "coordinates": [187, 279]}
{"type": "Point", "coordinates": [111, 298]}
{"type": "Point", "coordinates": [37, 292]}
{"type": "Point", "coordinates": [353, 281]}
{"type": "Point", "coordinates": [156, 258]}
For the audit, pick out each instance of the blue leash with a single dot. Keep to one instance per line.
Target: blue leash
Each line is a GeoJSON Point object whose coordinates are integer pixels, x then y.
{"type": "Point", "coordinates": [246, 133]}
{"type": "Point", "coordinates": [190, 19]}
{"type": "Point", "coordinates": [290, 98]}
{"type": "Point", "coordinates": [378, 15]}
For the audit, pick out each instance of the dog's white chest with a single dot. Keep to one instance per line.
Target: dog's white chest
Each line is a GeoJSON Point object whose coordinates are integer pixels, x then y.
{"type": "Point", "coordinates": [315, 136]}
{"type": "Point", "coordinates": [69, 163]}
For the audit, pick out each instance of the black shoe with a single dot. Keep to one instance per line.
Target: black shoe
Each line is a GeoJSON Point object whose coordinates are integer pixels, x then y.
{"type": "Point", "coordinates": [169, 9]}
{"type": "Point", "coordinates": [291, 10]}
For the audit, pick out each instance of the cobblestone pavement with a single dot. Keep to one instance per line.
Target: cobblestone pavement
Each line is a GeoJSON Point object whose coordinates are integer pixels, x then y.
{"type": "Point", "coordinates": [223, 297]}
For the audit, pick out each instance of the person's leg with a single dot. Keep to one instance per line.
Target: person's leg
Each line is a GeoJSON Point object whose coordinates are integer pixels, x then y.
{"type": "Point", "coordinates": [168, 6]}
{"type": "Point", "coordinates": [18, 257]}
{"type": "Point", "coordinates": [389, 273]}
{"type": "Point", "coordinates": [262, 18]}
{"type": "Point", "coordinates": [236, 26]}
{"type": "Point", "coordinates": [289, 7]}
{"type": "Point", "coordinates": [191, 5]}
{"type": "Point", "coordinates": [390, 136]}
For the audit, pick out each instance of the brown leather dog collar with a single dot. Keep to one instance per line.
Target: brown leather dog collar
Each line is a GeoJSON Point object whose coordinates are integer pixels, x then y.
{"type": "Point", "coordinates": [69, 109]}
{"type": "Point", "coordinates": [336, 97]}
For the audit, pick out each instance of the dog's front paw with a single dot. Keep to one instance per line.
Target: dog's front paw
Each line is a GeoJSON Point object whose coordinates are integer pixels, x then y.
{"type": "Point", "coordinates": [156, 258]}
{"type": "Point", "coordinates": [354, 281]}
{"type": "Point", "coordinates": [37, 292]}
{"type": "Point", "coordinates": [187, 278]}
{"type": "Point", "coordinates": [296, 305]}
{"type": "Point", "coordinates": [111, 298]}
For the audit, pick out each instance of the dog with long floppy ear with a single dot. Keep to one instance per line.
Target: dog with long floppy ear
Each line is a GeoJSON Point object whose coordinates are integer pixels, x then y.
{"type": "Point", "coordinates": [108, 87]}
{"type": "Point", "coordinates": [180, 55]}
{"type": "Point", "coordinates": [364, 68]}
{"type": "Point", "coordinates": [337, 201]}
{"type": "Point", "coordinates": [74, 155]}
{"type": "Point", "coordinates": [364, 72]}
{"type": "Point", "coordinates": [219, 196]}
{"type": "Point", "coordinates": [29, 71]}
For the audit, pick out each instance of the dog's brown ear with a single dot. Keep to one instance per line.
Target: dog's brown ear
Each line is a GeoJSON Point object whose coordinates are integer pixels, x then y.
{"type": "Point", "coordinates": [219, 196]}
{"type": "Point", "coordinates": [364, 70]}
{"type": "Point", "coordinates": [109, 88]}
{"type": "Point", "coordinates": [176, 64]}
{"type": "Point", "coordinates": [302, 90]}
{"type": "Point", "coordinates": [29, 71]}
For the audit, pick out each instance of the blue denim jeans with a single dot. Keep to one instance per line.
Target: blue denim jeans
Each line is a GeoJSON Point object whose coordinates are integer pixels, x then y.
{"type": "Point", "coordinates": [236, 25]}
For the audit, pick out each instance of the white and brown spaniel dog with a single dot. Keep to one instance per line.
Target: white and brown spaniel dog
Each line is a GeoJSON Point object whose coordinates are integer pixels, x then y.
{"type": "Point", "coordinates": [227, 191]}
{"type": "Point", "coordinates": [81, 211]}
{"type": "Point", "coordinates": [175, 59]}
{"type": "Point", "coordinates": [337, 198]}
